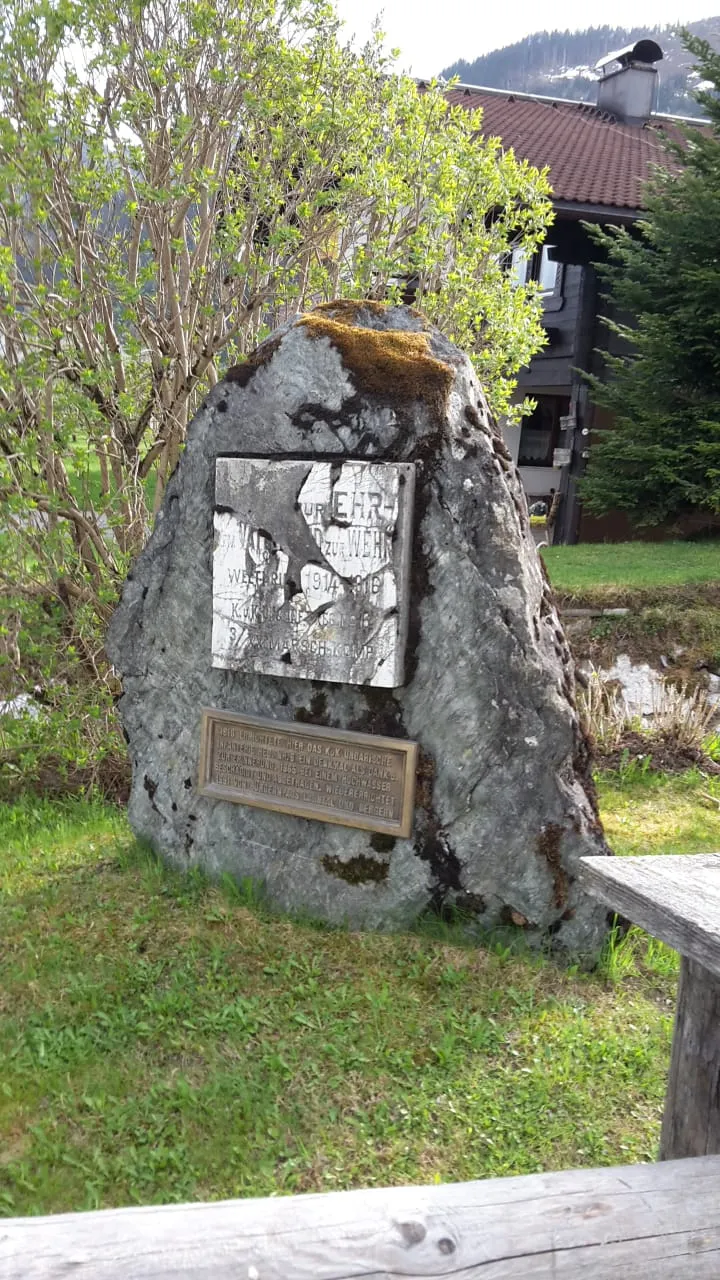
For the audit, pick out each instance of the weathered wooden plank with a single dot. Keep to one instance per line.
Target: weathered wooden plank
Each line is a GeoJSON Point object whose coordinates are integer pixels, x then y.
{"type": "Point", "coordinates": [676, 897]}
{"type": "Point", "coordinates": [592, 613]}
{"type": "Point", "coordinates": [691, 1124]}
{"type": "Point", "coordinates": [660, 1221]}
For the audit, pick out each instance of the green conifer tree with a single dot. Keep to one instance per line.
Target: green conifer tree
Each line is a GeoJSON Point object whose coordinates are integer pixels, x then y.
{"type": "Point", "coordinates": [661, 460]}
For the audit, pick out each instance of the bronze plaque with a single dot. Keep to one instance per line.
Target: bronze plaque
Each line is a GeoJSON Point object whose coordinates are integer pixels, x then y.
{"type": "Point", "coordinates": [356, 779]}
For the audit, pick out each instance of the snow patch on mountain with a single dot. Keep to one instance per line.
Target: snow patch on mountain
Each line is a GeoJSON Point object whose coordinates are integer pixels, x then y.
{"type": "Point", "coordinates": [573, 73]}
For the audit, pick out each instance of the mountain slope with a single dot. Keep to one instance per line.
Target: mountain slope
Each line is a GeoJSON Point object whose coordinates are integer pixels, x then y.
{"type": "Point", "coordinates": [561, 63]}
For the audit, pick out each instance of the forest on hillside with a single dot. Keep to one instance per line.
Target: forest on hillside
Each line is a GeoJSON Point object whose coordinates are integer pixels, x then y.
{"type": "Point", "coordinates": [561, 63]}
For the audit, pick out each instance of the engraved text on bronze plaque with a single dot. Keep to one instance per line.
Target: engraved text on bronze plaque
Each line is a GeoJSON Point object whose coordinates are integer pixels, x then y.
{"type": "Point", "coordinates": [356, 779]}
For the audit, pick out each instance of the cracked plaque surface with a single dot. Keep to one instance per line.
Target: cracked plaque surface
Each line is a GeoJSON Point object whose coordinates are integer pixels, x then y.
{"type": "Point", "coordinates": [310, 569]}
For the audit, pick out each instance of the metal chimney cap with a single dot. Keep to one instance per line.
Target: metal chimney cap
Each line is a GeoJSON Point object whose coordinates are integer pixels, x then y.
{"type": "Point", "coordinates": [642, 51]}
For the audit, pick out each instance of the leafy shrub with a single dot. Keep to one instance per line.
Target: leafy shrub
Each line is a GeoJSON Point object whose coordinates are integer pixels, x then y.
{"type": "Point", "coordinates": [67, 739]}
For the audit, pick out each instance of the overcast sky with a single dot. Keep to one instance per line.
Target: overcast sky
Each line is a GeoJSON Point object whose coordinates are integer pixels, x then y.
{"type": "Point", "coordinates": [430, 36]}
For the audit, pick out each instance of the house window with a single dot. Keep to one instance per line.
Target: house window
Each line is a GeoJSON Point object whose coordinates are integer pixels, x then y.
{"type": "Point", "coordinates": [519, 266]}
{"type": "Point", "coordinates": [540, 432]}
{"type": "Point", "coordinates": [538, 266]}
{"type": "Point", "coordinates": [548, 272]}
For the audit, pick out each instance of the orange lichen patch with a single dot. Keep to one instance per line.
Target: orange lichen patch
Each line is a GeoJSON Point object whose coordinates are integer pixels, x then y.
{"type": "Point", "coordinates": [393, 364]}
{"type": "Point", "coordinates": [347, 310]}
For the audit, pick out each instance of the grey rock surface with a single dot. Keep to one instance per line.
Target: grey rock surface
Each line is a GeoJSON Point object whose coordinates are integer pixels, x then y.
{"type": "Point", "coordinates": [505, 803]}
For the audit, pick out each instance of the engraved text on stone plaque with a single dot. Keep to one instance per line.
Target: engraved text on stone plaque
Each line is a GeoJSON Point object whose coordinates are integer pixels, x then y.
{"type": "Point", "coordinates": [311, 567]}
{"type": "Point", "coordinates": [355, 779]}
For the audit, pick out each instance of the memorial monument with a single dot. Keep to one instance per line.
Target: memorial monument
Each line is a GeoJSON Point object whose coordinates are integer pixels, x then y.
{"type": "Point", "coordinates": [343, 673]}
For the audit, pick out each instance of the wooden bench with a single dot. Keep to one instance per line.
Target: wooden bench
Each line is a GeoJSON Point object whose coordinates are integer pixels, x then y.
{"type": "Point", "coordinates": [644, 1222]}
{"type": "Point", "coordinates": [676, 897]}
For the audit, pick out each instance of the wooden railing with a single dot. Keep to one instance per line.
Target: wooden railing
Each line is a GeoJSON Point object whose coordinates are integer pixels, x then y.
{"type": "Point", "coordinates": [644, 1222]}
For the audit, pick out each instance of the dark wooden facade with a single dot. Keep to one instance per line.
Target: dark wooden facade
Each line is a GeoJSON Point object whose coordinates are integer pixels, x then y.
{"type": "Point", "coordinates": [554, 380]}
{"type": "Point", "coordinates": [577, 338]}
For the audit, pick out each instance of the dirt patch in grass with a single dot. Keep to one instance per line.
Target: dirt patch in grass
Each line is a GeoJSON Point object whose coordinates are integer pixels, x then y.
{"type": "Point", "coordinates": [658, 751]}
{"type": "Point", "coordinates": [14, 1148]}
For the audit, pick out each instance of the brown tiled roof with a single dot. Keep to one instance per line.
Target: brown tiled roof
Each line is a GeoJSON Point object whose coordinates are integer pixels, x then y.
{"type": "Point", "coordinates": [593, 159]}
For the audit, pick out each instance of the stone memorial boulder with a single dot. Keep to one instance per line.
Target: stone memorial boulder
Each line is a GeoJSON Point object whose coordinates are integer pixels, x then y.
{"type": "Point", "coordinates": [343, 673]}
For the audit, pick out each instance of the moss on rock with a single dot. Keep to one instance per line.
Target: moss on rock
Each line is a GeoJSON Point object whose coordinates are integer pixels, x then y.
{"type": "Point", "coordinates": [394, 364]}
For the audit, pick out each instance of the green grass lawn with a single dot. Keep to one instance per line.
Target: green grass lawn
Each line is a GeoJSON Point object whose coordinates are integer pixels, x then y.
{"type": "Point", "coordinates": [659, 814]}
{"type": "Point", "coordinates": [163, 1039]}
{"type": "Point", "coordinates": [632, 565]}
{"type": "Point", "coordinates": [86, 487]}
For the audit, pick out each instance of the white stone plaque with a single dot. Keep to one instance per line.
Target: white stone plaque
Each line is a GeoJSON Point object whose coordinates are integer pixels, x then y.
{"type": "Point", "coordinates": [311, 569]}
{"type": "Point", "coordinates": [562, 457]}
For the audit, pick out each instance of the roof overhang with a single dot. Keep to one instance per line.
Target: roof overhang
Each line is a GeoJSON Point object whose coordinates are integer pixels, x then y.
{"type": "Point", "coordinates": [597, 212]}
